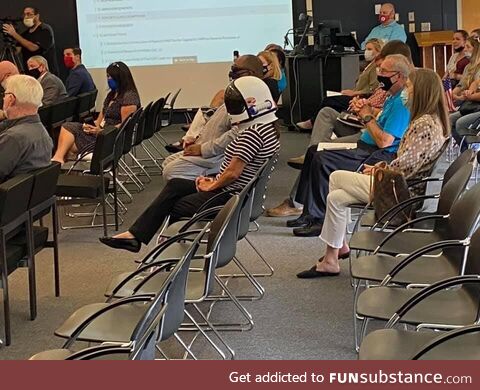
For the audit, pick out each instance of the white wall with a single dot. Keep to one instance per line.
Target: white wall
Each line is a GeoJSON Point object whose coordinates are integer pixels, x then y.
{"type": "Point", "coordinates": [199, 82]}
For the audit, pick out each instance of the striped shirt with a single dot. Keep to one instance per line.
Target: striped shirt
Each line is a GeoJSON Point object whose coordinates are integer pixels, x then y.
{"type": "Point", "coordinates": [254, 146]}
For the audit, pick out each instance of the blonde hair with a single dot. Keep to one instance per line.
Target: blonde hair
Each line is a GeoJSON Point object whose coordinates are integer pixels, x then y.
{"type": "Point", "coordinates": [428, 97]}
{"type": "Point", "coordinates": [377, 44]}
{"type": "Point", "coordinates": [26, 89]}
{"type": "Point", "coordinates": [272, 61]}
{"type": "Point", "coordinates": [474, 67]}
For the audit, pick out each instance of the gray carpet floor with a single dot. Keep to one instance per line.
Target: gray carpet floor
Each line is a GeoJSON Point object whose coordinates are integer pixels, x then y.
{"type": "Point", "coordinates": [297, 319]}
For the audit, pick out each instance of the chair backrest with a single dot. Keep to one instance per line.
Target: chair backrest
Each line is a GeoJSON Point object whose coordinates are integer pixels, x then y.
{"type": "Point", "coordinates": [120, 140]}
{"type": "Point", "coordinates": [453, 188]}
{"type": "Point", "coordinates": [83, 104]}
{"type": "Point", "coordinates": [171, 106]}
{"type": "Point", "coordinates": [465, 158]}
{"type": "Point", "coordinates": [473, 261]}
{"type": "Point", "coordinates": [103, 152]}
{"type": "Point", "coordinates": [63, 111]}
{"type": "Point", "coordinates": [464, 215]}
{"type": "Point", "coordinates": [261, 188]}
{"type": "Point", "coordinates": [45, 114]}
{"type": "Point", "coordinates": [151, 119]}
{"type": "Point", "coordinates": [14, 197]}
{"type": "Point", "coordinates": [93, 99]}
{"type": "Point", "coordinates": [172, 293]}
{"type": "Point", "coordinates": [130, 130]}
{"type": "Point", "coordinates": [139, 130]}
{"type": "Point", "coordinates": [44, 184]}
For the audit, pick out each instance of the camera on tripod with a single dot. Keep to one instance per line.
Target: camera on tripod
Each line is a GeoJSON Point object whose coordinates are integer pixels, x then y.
{"type": "Point", "coordinates": [7, 40]}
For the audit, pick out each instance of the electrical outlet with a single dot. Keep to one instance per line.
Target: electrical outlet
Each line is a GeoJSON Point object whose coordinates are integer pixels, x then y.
{"type": "Point", "coordinates": [354, 34]}
{"type": "Point", "coordinates": [411, 16]}
{"type": "Point", "coordinates": [397, 17]}
{"type": "Point", "coordinates": [411, 27]}
{"type": "Point", "coordinates": [377, 9]}
{"type": "Point", "coordinates": [426, 27]}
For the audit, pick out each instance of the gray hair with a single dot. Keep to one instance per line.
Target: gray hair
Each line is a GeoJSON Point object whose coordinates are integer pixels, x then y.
{"type": "Point", "coordinates": [40, 60]}
{"type": "Point", "coordinates": [401, 64]}
{"type": "Point", "coordinates": [26, 89]}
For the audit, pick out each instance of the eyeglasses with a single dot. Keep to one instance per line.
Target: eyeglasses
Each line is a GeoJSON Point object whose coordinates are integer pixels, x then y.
{"type": "Point", "coordinates": [381, 70]}
{"type": "Point", "coordinates": [9, 93]}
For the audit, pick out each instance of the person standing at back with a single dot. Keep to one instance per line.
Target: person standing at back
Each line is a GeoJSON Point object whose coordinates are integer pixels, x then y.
{"type": "Point", "coordinates": [388, 29]}
{"type": "Point", "coordinates": [79, 80]}
{"type": "Point", "coordinates": [38, 39]}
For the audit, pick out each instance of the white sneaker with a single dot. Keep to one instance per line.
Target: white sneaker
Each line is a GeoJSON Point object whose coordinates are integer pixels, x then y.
{"type": "Point", "coordinates": [307, 125]}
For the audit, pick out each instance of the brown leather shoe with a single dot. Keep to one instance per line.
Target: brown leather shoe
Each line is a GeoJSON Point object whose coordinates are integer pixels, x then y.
{"type": "Point", "coordinates": [285, 209]}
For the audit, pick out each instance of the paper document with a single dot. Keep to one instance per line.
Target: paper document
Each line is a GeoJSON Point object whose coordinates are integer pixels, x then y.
{"type": "Point", "coordinates": [333, 93]}
{"type": "Point", "coordinates": [335, 146]}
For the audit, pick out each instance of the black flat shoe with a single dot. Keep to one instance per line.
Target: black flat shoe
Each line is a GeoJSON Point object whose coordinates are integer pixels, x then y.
{"type": "Point", "coordinates": [128, 244]}
{"type": "Point", "coordinates": [302, 221]}
{"type": "Point", "coordinates": [172, 148]}
{"type": "Point", "coordinates": [313, 273]}
{"type": "Point", "coordinates": [312, 230]}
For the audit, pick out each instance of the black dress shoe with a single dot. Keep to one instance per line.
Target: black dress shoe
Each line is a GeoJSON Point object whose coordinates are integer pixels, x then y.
{"type": "Point", "coordinates": [129, 244]}
{"type": "Point", "coordinates": [312, 230]}
{"type": "Point", "coordinates": [302, 221]}
{"type": "Point", "coordinates": [313, 273]}
{"type": "Point", "coordinates": [173, 148]}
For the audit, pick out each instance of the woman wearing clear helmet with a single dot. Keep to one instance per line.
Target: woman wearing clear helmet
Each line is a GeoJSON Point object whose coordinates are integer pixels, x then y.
{"type": "Point", "coordinates": [251, 107]}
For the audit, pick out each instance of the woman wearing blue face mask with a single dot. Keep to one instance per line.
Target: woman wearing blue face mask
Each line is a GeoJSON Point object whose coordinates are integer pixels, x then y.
{"type": "Point", "coordinates": [121, 101]}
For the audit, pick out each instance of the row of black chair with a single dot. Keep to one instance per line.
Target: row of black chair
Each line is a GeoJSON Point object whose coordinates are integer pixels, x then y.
{"type": "Point", "coordinates": [120, 319]}
{"type": "Point", "coordinates": [76, 108]}
{"type": "Point", "coordinates": [415, 289]}
{"type": "Point", "coordinates": [24, 200]}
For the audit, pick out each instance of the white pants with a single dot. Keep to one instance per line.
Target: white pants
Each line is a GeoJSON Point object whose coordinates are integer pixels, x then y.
{"type": "Point", "coordinates": [346, 188]}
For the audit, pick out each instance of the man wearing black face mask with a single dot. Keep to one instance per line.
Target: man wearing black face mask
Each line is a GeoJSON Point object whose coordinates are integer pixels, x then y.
{"type": "Point", "coordinates": [38, 39]}
{"type": "Point", "coordinates": [379, 142]}
{"type": "Point", "coordinates": [204, 149]}
{"type": "Point", "coordinates": [53, 89]}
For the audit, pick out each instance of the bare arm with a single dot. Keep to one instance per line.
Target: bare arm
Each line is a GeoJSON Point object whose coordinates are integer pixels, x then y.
{"type": "Point", "coordinates": [231, 173]}
{"type": "Point", "coordinates": [382, 138]}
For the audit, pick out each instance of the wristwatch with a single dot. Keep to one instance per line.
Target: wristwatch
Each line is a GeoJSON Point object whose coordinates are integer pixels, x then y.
{"type": "Point", "coordinates": [367, 118]}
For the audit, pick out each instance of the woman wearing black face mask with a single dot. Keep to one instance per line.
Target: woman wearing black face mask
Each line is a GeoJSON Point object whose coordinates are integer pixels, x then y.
{"type": "Point", "coordinates": [458, 61]}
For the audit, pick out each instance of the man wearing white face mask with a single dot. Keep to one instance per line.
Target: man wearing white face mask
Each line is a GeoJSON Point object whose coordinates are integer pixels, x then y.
{"type": "Point", "coordinates": [38, 39]}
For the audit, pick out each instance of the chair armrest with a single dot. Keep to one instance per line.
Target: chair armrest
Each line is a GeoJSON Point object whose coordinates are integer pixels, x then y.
{"type": "Point", "coordinates": [429, 291]}
{"type": "Point", "coordinates": [395, 210]}
{"type": "Point", "coordinates": [211, 201]}
{"type": "Point", "coordinates": [420, 252]}
{"type": "Point", "coordinates": [204, 215]}
{"type": "Point", "coordinates": [406, 225]}
{"type": "Point", "coordinates": [444, 338]}
{"type": "Point", "coordinates": [124, 301]}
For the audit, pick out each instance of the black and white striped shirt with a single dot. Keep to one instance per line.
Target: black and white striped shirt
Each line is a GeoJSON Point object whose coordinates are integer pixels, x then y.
{"type": "Point", "coordinates": [254, 146]}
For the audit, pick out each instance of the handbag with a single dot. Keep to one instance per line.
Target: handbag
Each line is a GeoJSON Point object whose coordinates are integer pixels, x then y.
{"type": "Point", "coordinates": [469, 107]}
{"type": "Point", "coordinates": [388, 188]}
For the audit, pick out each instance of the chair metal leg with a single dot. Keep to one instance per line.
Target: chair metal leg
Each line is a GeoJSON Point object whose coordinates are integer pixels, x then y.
{"type": "Point", "coordinates": [356, 318]}
{"type": "Point", "coordinates": [142, 168]}
{"type": "Point", "coordinates": [6, 301]}
{"type": "Point", "coordinates": [56, 263]}
{"type": "Point", "coordinates": [32, 284]}
{"type": "Point", "coordinates": [188, 350]}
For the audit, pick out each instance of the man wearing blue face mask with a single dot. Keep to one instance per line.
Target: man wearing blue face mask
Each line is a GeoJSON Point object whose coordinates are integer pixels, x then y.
{"type": "Point", "coordinates": [121, 101]}
{"type": "Point", "coordinates": [379, 142]}
{"type": "Point", "coordinates": [37, 40]}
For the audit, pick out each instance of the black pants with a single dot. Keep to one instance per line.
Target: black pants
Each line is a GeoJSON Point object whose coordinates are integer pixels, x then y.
{"type": "Point", "coordinates": [179, 198]}
{"type": "Point", "coordinates": [314, 179]}
{"type": "Point", "coordinates": [339, 103]}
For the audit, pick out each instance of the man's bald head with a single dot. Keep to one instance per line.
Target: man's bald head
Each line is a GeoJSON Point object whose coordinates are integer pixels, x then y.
{"type": "Point", "coordinates": [387, 12]}
{"type": "Point", "coordinates": [250, 63]}
{"type": "Point", "coordinates": [7, 69]}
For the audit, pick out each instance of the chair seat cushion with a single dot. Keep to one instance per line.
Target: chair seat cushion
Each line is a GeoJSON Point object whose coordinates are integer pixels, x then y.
{"type": "Point", "coordinates": [369, 219]}
{"type": "Point", "coordinates": [424, 270]}
{"type": "Point", "coordinates": [40, 238]}
{"type": "Point", "coordinates": [15, 254]}
{"type": "Point", "coordinates": [404, 242]}
{"type": "Point", "coordinates": [81, 186]}
{"type": "Point", "coordinates": [54, 354]}
{"type": "Point", "coordinates": [452, 307]}
{"type": "Point", "coordinates": [393, 344]}
{"type": "Point", "coordinates": [115, 325]}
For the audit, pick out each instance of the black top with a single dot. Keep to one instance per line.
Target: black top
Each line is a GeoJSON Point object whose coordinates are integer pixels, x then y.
{"type": "Point", "coordinates": [44, 38]}
{"type": "Point", "coordinates": [112, 106]}
{"type": "Point", "coordinates": [273, 87]}
{"type": "Point", "coordinates": [79, 81]}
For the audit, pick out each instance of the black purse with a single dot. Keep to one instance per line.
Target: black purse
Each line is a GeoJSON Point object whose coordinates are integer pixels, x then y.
{"type": "Point", "coordinates": [469, 107]}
